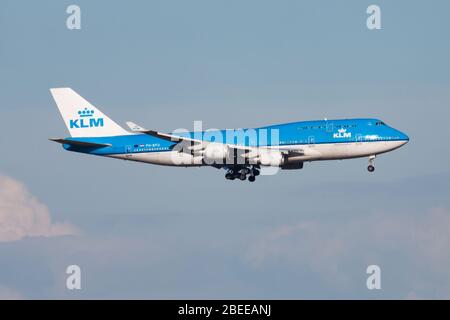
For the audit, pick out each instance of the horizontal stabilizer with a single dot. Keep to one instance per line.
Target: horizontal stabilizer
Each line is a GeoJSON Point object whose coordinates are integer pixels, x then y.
{"type": "Point", "coordinates": [84, 144]}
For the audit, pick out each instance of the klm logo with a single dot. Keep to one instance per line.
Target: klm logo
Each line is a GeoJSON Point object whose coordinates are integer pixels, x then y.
{"type": "Point", "coordinates": [86, 120]}
{"type": "Point", "coordinates": [342, 133]}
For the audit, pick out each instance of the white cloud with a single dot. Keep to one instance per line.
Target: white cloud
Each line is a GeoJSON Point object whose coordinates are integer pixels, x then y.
{"type": "Point", "coordinates": [427, 234]}
{"type": "Point", "coordinates": [22, 215]}
{"type": "Point", "coordinates": [412, 248]}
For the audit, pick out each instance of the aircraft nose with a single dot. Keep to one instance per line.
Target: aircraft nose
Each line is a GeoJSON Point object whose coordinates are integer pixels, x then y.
{"type": "Point", "coordinates": [403, 137]}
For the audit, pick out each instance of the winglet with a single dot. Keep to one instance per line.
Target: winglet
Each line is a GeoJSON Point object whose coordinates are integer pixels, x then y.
{"type": "Point", "coordinates": [137, 128]}
{"type": "Point", "coordinates": [134, 127]}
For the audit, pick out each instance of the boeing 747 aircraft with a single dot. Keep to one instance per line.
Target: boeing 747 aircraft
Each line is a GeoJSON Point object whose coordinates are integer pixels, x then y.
{"type": "Point", "coordinates": [240, 152]}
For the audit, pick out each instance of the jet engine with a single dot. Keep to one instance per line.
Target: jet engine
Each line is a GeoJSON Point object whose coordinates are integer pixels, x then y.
{"type": "Point", "coordinates": [216, 152]}
{"type": "Point", "coordinates": [271, 158]}
{"type": "Point", "coordinates": [293, 162]}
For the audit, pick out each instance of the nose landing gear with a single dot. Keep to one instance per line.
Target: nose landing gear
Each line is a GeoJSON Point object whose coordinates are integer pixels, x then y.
{"type": "Point", "coordinates": [371, 167]}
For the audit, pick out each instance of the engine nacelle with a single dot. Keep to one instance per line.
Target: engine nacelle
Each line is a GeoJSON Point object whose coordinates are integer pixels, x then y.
{"type": "Point", "coordinates": [292, 166]}
{"type": "Point", "coordinates": [271, 158]}
{"type": "Point", "coordinates": [292, 162]}
{"type": "Point", "coordinates": [216, 152]}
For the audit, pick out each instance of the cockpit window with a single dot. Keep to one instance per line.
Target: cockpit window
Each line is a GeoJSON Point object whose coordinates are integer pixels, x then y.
{"type": "Point", "coordinates": [380, 123]}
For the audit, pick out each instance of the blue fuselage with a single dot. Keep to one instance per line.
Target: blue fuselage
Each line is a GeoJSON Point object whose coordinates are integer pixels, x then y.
{"type": "Point", "coordinates": [301, 133]}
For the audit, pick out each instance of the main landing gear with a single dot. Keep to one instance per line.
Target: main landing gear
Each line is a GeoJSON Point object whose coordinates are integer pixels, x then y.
{"type": "Point", "coordinates": [371, 167]}
{"type": "Point", "coordinates": [242, 173]}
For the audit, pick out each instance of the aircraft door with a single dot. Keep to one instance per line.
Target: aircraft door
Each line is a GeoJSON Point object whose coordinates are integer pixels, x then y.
{"type": "Point", "coordinates": [359, 138]}
{"type": "Point", "coordinates": [128, 150]}
{"type": "Point", "coordinates": [329, 127]}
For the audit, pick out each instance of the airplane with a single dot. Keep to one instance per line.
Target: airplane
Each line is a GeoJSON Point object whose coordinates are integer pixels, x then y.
{"type": "Point", "coordinates": [242, 154]}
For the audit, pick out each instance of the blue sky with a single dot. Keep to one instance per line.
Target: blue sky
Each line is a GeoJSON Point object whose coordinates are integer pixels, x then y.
{"type": "Point", "coordinates": [142, 231]}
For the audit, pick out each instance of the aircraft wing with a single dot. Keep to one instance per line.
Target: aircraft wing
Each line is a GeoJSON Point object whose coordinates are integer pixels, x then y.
{"type": "Point", "coordinates": [165, 136]}
{"type": "Point", "coordinates": [195, 146]}
{"type": "Point", "coordinates": [192, 145]}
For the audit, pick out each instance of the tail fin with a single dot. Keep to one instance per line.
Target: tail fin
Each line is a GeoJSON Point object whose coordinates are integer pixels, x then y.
{"type": "Point", "coordinates": [82, 118]}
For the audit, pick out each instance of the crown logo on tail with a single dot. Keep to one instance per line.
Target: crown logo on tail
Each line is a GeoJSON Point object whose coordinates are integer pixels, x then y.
{"type": "Point", "coordinates": [86, 113]}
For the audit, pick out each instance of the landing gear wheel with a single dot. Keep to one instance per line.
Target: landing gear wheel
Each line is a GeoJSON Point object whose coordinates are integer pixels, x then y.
{"type": "Point", "coordinates": [231, 175]}
{"type": "Point", "coordinates": [371, 167]}
{"type": "Point", "coordinates": [243, 176]}
{"type": "Point", "coordinates": [251, 178]}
